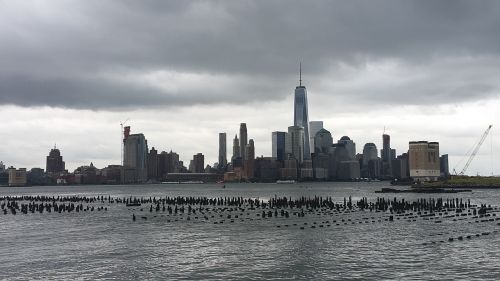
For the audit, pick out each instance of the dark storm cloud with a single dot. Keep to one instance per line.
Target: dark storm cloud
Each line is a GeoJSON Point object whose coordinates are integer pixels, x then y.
{"type": "Point", "coordinates": [56, 52]}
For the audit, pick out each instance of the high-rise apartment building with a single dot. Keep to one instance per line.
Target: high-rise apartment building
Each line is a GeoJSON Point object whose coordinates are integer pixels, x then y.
{"type": "Point", "coordinates": [135, 151]}
{"type": "Point", "coordinates": [222, 150]}
{"type": "Point", "coordinates": [278, 146]}
{"type": "Point", "coordinates": [55, 163]}
{"type": "Point", "coordinates": [424, 160]}
{"type": "Point", "coordinates": [301, 116]}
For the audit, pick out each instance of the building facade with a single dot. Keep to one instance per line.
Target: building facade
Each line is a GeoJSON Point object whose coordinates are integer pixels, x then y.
{"type": "Point", "coordinates": [424, 160]}
{"type": "Point", "coordinates": [17, 177]}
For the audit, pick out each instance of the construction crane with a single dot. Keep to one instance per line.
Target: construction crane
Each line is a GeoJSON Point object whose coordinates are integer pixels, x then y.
{"type": "Point", "coordinates": [476, 149]}
{"type": "Point", "coordinates": [121, 139]}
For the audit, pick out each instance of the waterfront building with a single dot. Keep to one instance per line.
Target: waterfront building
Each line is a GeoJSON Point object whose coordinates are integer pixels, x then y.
{"type": "Point", "coordinates": [266, 169]}
{"type": "Point", "coordinates": [36, 176]}
{"type": "Point", "coordinates": [55, 163]}
{"type": "Point", "coordinates": [86, 175]}
{"type": "Point", "coordinates": [290, 169]}
{"type": "Point", "coordinates": [301, 116]}
{"type": "Point", "coordinates": [222, 151]}
{"type": "Point", "coordinates": [322, 141]}
{"type": "Point", "coordinates": [424, 160]}
{"type": "Point", "coordinates": [243, 141]}
{"type": "Point", "coordinates": [320, 165]}
{"type": "Point", "coordinates": [348, 170]}
{"type": "Point", "coordinates": [306, 170]}
{"type": "Point", "coordinates": [169, 163]}
{"type": "Point", "coordinates": [314, 127]}
{"type": "Point", "coordinates": [294, 143]}
{"type": "Point", "coordinates": [17, 177]}
{"type": "Point", "coordinates": [112, 174]}
{"type": "Point", "coordinates": [2, 166]}
{"type": "Point", "coordinates": [278, 145]}
{"type": "Point", "coordinates": [135, 155]}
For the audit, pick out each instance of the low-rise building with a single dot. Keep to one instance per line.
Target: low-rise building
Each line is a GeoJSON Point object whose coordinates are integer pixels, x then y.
{"type": "Point", "coordinates": [17, 177]}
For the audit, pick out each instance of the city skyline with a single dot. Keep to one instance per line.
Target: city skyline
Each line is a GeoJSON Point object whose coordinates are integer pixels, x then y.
{"type": "Point", "coordinates": [434, 87]}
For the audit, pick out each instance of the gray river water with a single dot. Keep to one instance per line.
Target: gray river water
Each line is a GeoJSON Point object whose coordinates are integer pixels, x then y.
{"type": "Point", "coordinates": [109, 245]}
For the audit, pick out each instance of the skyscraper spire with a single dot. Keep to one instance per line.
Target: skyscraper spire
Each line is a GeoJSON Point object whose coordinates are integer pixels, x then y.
{"type": "Point", "coordinates": [300, 74]}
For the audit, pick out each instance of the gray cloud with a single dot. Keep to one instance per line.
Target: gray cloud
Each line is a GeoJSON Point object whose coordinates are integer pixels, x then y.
{"type": "Point", "coordinates": [56, 52]}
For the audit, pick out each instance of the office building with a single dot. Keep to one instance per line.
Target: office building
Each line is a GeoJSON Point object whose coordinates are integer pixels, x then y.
{"type": "Point", "coordinates": [278, 146]}
{"type": "Point", "coordinates": [314, 127]}
{"type": "Point", "coordinates": [322, 141]}
{"type": "Point", "coordinates": [301, 116]}
{"type": "Point", "coordinates": [349, 145]}
{"type": "Point", "coordinates": [294, 143]}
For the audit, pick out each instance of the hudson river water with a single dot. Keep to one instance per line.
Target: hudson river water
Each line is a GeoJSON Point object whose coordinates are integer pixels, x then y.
{"type": "Point", "coordinates": [109, 245]}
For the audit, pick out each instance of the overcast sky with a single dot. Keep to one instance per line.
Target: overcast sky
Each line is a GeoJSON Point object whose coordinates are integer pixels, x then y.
{"type": "Point", "coordinates": [184, 71]}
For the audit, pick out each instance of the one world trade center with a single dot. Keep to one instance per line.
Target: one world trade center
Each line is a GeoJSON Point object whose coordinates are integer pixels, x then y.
{"type": "Point", "coordinates": [301, 116]}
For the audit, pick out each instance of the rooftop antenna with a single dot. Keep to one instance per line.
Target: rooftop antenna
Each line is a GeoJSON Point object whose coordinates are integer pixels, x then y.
{"type": "Point", "coordinates": [300, 74]}
{"type": "Point", "coordinates": [384, 131]}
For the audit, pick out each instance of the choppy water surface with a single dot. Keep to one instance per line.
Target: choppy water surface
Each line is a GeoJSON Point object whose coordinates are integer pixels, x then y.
{"type": "Point", "coordinates": [109, 245]}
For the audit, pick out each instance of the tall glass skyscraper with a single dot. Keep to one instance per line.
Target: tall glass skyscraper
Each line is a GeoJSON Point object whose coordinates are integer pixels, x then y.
{"type": "Point", "coordinates": [278, 145]}
{"type": "Point", "coordinates": [301, 116]}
